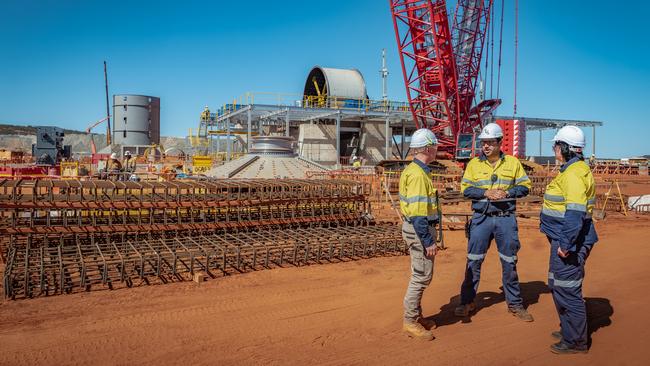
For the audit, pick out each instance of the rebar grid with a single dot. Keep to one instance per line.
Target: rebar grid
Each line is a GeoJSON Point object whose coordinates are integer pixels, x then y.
{"type": "Point", "coordinates": [54, 209]}
{"type": "Point", "coordinates": [102, 263]}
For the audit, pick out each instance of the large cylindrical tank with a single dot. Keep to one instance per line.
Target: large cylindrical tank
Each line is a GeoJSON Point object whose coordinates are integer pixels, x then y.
{"type": "Point", "coordinates": [136, 120]}
{"type": "Point", "coordinates": [339, 83]}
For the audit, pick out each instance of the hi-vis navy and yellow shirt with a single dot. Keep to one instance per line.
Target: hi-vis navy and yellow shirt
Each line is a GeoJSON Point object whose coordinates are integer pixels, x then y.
{"type": "Point", "coordinates": [417, 199]}
{"type": "Point", "coordinates": [569, 201]}
{"type": "Point", "coordinates": [508, 174]}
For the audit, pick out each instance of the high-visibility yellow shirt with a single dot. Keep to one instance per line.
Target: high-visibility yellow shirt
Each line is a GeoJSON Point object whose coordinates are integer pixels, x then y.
{"type": "Point", "coordinates": [356, 164]}
{"type": "Point", "coordinates": [569, 202]}
{"type": "Point", "coordinates": [507, 174]}
{"type": "Point", "coordinates": [572, 189]}
{"type": "Point", "coordinates": [417, 195]}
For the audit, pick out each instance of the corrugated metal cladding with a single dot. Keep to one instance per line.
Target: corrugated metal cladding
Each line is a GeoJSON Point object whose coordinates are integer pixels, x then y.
{"type": "Point", "coordinates": [136, 119]}
{"type": "Point", "coordinates": [343, 83]}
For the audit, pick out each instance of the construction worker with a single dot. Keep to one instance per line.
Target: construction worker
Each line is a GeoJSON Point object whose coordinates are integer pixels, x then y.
{"type": "Point", "coordinates": [592, 160]}
{"type": "Point", "coordinates": [493, 181]}
{"type": "Point", "coordinates": [566, 220]}
{"type": "Point", "coordinates": [418, 206]}
{"type": "Point", "coordinates": [129, 162]}
{"type": "Point", "coordinates": [113, 165]}
{"type": "Point", "coordinates": [205, 115]}
{"type": "Point", "coordinates": [356, 162]}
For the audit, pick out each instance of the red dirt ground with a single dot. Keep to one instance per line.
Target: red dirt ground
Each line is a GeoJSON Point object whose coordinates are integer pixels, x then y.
{"type": "Point", "coordinates": [342, 314]}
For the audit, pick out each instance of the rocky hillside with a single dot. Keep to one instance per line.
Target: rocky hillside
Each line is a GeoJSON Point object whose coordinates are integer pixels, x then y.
{"type": "Point", "coordinates": [21, 138]}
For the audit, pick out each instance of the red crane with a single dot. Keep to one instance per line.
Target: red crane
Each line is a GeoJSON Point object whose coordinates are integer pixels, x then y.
{"type": "Point", "coordinates": [441, 67]}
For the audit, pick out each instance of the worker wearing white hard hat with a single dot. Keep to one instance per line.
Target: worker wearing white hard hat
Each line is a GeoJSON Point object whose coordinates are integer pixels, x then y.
{"type": "Point", "coordinates": [113, 165]}
{"type": "Point", "coordinates": [129, 162]}
{"type": "Point", "coordinates": [356, 162]}
{"type": "Point", "coordinates": [566, 220]}
{"type": "Point", "coordinates": [493, 181]}
{"type": "Point", "coordinates": [419, 208]}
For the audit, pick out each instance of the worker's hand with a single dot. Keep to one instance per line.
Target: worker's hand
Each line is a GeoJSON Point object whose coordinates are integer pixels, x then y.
{"type": "Point", "coordinates": [562, 253]}
{"type": "Point", "coordinates": [500, 194]}
{"type": "Point", "coordinates": [431, 251]}
{"type": "Point", "coordinates": [496, 194]}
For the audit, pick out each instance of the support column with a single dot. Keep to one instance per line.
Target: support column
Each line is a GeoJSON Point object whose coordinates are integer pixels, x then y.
{"type": "Point", "coordinates": [228, 141]}
{"type": "Point", "coordinates": [338, 140]}
{"type": "Point", "coordinates": [402, 142]}
{"type": "Point", "coordinates": [387, 138]}
{"type": "Point", "coordinates": [250, 128]}
{"type": "Point", "coordinates": [540, 142]}
{"type": "Point", "coordinates": [286, 123]}
{"type": "Point", "coordinates": [593, 140]}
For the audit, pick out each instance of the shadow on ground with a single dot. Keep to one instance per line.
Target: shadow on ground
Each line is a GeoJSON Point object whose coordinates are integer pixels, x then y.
{"type": "Point", "coordinates": [530, 292]}
{"type": "Point", "coordinates": [599, 312]}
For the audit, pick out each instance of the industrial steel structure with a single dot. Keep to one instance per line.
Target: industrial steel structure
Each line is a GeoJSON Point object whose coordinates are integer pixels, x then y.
{"type": "Point", "coordinates": [136, 120]}
{"type": "Point", "coordinates": [440, 64]}
{"type": "Point", "coordinates": [541, 124]}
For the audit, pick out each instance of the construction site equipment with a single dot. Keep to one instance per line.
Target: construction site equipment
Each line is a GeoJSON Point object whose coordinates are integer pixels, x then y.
{"type": "Point", "coordinates": [87, 232]}
{"type": "Point", "coordinates": [93, 147]}
{"type": "Point", "coordinates": [269, 157]}
{"type": "Point", "coordinates": [108, 111]}
{"type": "Point", "coordinates": [136, 120]}
{"type": "Point", "coordinates": [514, 137]}
{"type": "Point", "coordinates": [348, 86]}
{"type": "Point", "coordinates": [440, 65]}
{"type": "Point", "coordinates": [201, 163]}
{"type": "Point", "coordinates": [48, 270]}
{"type": "Point", "coordinates": [69, 169]}
{"type": "Point", "coordinates": [49, 148]}
{"type": "Point", "coordinates": [616, 196]}
{"type": "Point", "coordinates": [11, 156]}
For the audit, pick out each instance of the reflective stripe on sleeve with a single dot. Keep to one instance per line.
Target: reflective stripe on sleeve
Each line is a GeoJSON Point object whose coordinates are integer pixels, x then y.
{"type": "Point", "coordinates": [553, 198]}
{"type": "Point", "coordinates": [414, 199]}
{"type": "Point", "coordinates": [522, 179]}
{"type": "Point", "coordinates": [471, 183]}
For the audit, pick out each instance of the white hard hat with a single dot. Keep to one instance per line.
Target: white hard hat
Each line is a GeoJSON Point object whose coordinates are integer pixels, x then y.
{"type": "Point", "coordinates": [572, 135]}
{"type": "Point", "coordinates": [491, 131]}
{"type": "Point", "coordinates": [423, 137]}
{"type": "Point", "coordinates": [127, 152]}
{"type": "Point", "coordinates": [113, 156]}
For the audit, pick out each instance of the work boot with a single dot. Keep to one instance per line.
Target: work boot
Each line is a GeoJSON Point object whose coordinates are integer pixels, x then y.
{"type": "Point", "coordinates": [427, 323]}
{"type": "Point", "coordinates": [416, 330]}
{"type": "Point", "coordinates": [557, 335]}
{"type": "Point", "coordinates": [562, 348]}
{"type": "Point", "coordinates": [521, 313]}
{"type": "Point", "coordinates": [465, 309]}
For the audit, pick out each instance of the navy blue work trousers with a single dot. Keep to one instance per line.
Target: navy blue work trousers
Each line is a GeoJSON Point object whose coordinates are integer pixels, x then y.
{"type": "Point", "coordinates": [565, 276]}
{"type": "Point", "coordinates": [504, 230]}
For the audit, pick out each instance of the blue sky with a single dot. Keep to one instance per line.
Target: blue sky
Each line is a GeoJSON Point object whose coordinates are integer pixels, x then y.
{"type": "Point", "coordinates": [577, 60]}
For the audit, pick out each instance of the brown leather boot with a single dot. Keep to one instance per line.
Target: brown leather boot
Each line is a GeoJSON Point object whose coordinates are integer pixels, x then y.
{"type": "Point", "coordinates": [416, 330]}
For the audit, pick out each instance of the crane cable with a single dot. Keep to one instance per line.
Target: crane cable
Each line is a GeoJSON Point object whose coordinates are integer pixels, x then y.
{"type": "Point", "coordinates": [491, 50]}
{"type": "Point", "coordinates": [514, 113]}
{"type": "Point", "coordinates": [500, 48]}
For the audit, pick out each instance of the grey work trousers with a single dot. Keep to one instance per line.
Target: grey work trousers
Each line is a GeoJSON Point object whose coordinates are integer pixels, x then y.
{"type": "Point", "coordinates": [421, 272]}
